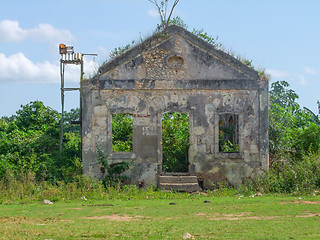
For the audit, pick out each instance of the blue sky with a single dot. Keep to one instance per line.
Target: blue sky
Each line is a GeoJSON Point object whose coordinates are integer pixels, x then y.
{"type": "Point", "coordinates": [282, 37]}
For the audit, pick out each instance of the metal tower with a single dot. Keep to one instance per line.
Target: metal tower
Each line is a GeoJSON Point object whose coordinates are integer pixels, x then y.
{"type": "Point", "coordinates": [68, 56]}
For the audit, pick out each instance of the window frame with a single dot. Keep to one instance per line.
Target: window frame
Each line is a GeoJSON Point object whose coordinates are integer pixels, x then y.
{"type": "Point", "coordinates": [231, 155]}
{"type": "Point", "coordinates": [112, 136]}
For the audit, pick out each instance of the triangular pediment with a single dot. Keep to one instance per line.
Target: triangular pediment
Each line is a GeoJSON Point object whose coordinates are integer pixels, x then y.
{"type": "Point", "coordinates": [175, 54]}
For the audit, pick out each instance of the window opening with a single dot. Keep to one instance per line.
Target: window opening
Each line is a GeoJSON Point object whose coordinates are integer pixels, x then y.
{"type": "Point", "coordinates": [175, 142]}
{"type": "Point", "coordinates": [228, 133]}
{"type": "Point", "coordinates": [122, 132]}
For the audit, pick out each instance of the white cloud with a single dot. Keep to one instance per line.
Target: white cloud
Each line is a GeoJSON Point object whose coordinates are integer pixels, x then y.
{"type": "Point", "coordinates": [277, 73]}
{"type": "Point", "coordinates": [10, 31]}
{"type": "Point", "coordinates": [47, 33]}
{"type": "Point", "coordinates": [310, 71]}
{"type": "Point", "coordinates": [18, 68]}
{"type": "Point", "coordinates": [153, 13]}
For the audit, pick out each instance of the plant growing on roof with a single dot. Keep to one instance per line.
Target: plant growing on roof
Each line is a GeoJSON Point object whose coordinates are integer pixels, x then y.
{"type": "Point", "coordinates": [162, 8]}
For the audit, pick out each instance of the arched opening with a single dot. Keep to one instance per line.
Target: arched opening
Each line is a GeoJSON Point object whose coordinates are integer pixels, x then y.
{"type": "Point", "coordinates": [175, 142]}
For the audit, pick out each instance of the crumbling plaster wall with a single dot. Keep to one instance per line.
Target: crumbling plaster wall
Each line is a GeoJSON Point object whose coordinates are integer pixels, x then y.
{"type": "Point", "coordinates": [203, 86]}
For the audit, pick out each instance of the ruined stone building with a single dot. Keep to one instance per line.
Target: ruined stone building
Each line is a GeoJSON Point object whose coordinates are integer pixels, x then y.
{"type": "Point", "coordinates": [175, 71]}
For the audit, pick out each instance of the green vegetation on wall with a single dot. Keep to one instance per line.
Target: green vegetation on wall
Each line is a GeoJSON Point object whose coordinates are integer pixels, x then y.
{"type": "Point", "coordinates": [174, 21]}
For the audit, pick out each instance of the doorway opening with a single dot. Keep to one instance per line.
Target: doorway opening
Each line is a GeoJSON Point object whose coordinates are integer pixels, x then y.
{"type": "Point", "coordinates": [175, 142]}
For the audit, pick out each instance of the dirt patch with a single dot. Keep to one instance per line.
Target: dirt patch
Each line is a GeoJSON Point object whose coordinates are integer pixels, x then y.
{"type": "Point", "coordinates": [307, 202]}
{"type": "Point", "coordinates": [36, 221]}
{"type": "Point", "coordinates": [244, 218]}
{"type": "Point", "coordinates": [299, 202]}
{"type": "Point", "coordinates": [241, 214]}
{"type": "Point", "coordinates": [66, 220]}
{"type": "Point", "coordinates": [100, 205]}
{"type": "Point", "coordinates": [116, 217]}
{"type": "Point", "coordinates": [201, 214]}
{"type": "Point", "coordinates": [309, 215]}
{"type": "Point", "coordinates": [237, 216]}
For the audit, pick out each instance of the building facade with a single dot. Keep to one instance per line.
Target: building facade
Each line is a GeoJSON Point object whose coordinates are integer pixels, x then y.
{"type": "Point", "coordinates": [175, 71]}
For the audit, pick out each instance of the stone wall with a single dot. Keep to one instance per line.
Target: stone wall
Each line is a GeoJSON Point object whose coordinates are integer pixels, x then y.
{"type": "Point", "coordinates": [203, 107]}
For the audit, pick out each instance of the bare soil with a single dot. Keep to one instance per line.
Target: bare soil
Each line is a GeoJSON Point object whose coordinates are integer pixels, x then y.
{"type": "Point", "coordinates": [116, 217]}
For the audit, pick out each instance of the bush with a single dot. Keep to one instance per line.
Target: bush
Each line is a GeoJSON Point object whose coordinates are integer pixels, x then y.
{"type": "Point", "coordinates": [291, 177]}
{"type": "Point", "coordinates": [29, 142]}
{"type": "Point", "coordinates": [293, 132]}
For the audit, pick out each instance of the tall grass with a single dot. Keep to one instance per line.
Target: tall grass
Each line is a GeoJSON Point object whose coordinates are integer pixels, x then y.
{"type": "Point", "coordinates": [25, 188]}
{"type": "Point", "coordinates": [290, 177]}
{"type": "Point", "coordinates": [301, 177]}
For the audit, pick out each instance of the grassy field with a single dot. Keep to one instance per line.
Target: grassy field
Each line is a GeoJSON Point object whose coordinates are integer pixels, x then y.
{"type": "Point", "coordinates": [203, 217]}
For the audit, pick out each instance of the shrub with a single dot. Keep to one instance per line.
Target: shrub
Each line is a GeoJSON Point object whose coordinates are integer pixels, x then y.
{"type": "Point", "coordinates": [291, 177]}
{"type": "Point", "coordinates": [29, 142]}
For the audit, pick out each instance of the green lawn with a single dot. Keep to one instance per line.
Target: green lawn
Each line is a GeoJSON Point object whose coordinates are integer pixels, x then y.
{"type": "Point", "coordinates": [266, 217]}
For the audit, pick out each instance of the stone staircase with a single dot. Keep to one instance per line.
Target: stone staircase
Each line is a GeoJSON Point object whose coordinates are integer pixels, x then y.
{"type": "Point", "coordinates": [179, 182]}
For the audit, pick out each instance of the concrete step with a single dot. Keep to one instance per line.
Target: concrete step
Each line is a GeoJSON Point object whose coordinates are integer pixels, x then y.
{"type": "Point", "coordinates": [175, 174]}
{"type": "Point", "coordinates": [181, 187]}
{"type": "Point", "coordinates": [179, 183]}
{"type": "Point", "coordinates": [178, 179]}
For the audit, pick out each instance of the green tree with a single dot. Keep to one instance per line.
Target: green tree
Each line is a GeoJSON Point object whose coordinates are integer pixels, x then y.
{"type": "Point", "coordinates": [69, 118]}
{"type": "Point", "coordinates": [36, 116]}
{"type": "Point", "coordinates": [29, 142]}
{"type": "Point", "coordinates": [292, 130]}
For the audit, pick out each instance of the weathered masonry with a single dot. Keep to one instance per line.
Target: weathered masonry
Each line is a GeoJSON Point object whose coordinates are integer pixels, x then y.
{"type": "Point", "coordinates": [175, 71]}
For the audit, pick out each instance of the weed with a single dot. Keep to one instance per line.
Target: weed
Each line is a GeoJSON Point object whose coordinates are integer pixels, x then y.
{"type": "Point", "coordinates": [114, 171]}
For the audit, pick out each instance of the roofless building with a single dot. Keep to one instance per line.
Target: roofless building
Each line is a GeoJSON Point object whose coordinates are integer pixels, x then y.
{"type": "Point", "coordinates": [225, 101]}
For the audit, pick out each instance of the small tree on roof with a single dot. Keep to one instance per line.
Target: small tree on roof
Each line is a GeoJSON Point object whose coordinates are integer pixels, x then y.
{"type": "Point", "coordinates": [162, 8]}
